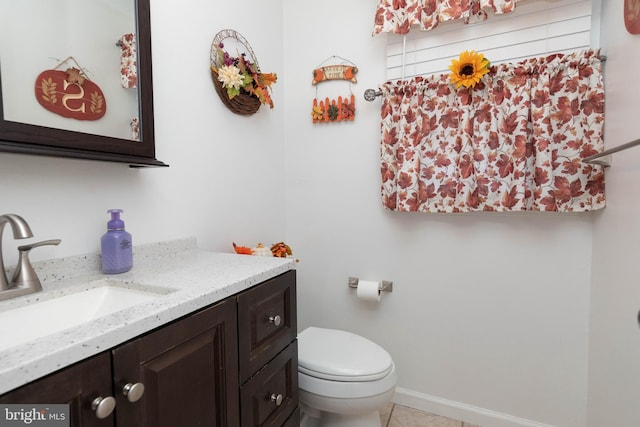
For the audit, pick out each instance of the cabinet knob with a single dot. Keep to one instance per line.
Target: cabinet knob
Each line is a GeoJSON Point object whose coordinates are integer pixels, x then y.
{"type": "Point", "coordinates": [103, 406]}
{"type": "Point", "coordinates": [277, 399]}
{"type": "Point", "coordinates": [276, 320]}
{"type": "Point", "coordinates": [133, 391]}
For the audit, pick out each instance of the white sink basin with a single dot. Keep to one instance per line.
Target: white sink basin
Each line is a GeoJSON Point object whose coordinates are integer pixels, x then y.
{"type": "Point", "coordinates": [41, 318]}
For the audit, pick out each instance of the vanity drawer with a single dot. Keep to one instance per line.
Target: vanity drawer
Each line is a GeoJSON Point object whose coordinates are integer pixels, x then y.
{"type": "Point", "coordinates": [270, 397]}
{"type": "Point", "coordinates": [266, 322]}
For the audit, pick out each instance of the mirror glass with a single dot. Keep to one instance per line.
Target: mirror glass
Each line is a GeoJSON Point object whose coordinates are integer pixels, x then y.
{"type": "Point", "coordinates": [75, 79]}
{"type": "Point", "coordinates": [61, 35]}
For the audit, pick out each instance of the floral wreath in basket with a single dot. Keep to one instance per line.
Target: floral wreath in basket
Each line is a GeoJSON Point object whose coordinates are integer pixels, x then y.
{"type": "Point", "coordinates": [242, 87]}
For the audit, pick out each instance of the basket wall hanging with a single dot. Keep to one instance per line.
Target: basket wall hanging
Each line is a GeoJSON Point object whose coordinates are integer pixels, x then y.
{"type": "Point", "coordinates": [236, 74]}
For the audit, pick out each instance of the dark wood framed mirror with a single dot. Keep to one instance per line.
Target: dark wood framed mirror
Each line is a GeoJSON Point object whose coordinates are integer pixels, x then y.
{"type": "Point", "coordinates": [38, 36]}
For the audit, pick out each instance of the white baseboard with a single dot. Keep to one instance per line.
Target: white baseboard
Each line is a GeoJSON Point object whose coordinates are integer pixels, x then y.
{"type": "Point", "coordinates": [460, 411]}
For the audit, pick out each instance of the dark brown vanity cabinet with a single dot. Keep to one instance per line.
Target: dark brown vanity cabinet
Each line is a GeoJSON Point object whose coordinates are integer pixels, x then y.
{"type": "Point", "coordinates": [183, 374]}
{"type": "Point", "coordinates": [232, 364]}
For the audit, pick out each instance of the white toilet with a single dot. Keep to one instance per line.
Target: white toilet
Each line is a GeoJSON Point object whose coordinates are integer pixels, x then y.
{"type": "Point", "coordinates": [343, 379]}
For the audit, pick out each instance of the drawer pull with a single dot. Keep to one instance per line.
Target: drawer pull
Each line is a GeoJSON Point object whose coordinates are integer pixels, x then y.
{"type": "Point", "coordinates": [277, 399]}
{"type": "Point", "coordinates": [103, 406]}
{"type": "Point", "coordinates": [276, 320]}
{"type": "Point", "coordinates": [133, 391]}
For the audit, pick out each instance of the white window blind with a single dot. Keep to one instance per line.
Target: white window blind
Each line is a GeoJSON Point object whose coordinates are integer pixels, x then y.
{"type": "Point", "coordinates": [535, 28]}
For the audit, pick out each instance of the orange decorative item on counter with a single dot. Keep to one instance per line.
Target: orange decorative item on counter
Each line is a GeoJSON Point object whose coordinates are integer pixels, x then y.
{"type": "Point", "coordinates": [278, 250]}
{"type": "Point", "coordinates": [242, 250]}
{"type": "Point", "coordinates": [281, 250]}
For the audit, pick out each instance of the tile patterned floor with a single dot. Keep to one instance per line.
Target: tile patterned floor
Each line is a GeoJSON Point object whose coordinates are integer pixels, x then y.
{"type": "Point", "coordinates": [401, 416]}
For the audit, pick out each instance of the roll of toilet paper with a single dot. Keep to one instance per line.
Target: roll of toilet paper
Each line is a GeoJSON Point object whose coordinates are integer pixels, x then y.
{"type": "Point", "coordinates": [368, 290]}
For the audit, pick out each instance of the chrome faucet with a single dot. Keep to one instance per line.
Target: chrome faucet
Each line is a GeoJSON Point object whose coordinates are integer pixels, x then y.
{"type": "Point", "coordinates": [25, 280]}
{"type": "Point", "coordinates": [21, 230]}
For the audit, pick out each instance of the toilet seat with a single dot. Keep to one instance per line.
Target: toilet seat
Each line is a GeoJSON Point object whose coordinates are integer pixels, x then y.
{"type": "Point", "coordinates": [347, 389]}
{"type": "Point", "coordinates": [335, 355]}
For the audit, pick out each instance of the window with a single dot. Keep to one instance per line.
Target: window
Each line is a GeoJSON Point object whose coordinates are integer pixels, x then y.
{"type": "Point", "coordinates": [535, 28]}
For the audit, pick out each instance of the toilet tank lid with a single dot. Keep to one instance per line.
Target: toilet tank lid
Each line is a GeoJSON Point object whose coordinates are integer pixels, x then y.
{"type": "Point", "coordinates": [341, 356]}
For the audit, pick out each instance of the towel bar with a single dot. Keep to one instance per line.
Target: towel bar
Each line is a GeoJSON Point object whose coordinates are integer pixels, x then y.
{"type": "Point", "coordinates": [597, 158]}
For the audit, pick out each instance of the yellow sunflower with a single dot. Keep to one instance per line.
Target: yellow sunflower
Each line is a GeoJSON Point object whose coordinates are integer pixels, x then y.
{"type": "Point", "coordinates": [469, 69]}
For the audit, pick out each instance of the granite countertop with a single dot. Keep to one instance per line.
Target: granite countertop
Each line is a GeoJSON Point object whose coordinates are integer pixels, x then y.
{"type": "Point", "coordinates": [186, 277]}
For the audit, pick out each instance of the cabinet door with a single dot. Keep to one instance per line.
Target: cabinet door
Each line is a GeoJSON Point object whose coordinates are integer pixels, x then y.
{"type": "Point", "coordinates": [294, 419]}
{"type": "Point", "coordinates": [77, 386]}
{"type": "Point", "coordinates": [266, 321]}
{"type": "Point", "coordinates": [189, 370]}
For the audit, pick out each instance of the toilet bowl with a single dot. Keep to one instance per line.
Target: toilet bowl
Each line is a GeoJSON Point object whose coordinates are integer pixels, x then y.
{"type": "Point", "coordinates": [343, 379]}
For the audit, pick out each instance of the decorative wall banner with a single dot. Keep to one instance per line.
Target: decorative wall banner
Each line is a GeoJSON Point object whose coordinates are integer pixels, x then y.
{"type": "Point", "coordinates": [70, 94]}
{"type": "Point", "coordinates": [335, 72]}
{"type": "Point", "coordinates": [342, 108]}
{"type": "Point", "coordinates": [334, 110]}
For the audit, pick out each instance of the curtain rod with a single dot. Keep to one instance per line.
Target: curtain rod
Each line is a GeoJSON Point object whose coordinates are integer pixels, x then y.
{"type": "Point", "coordinates": [372, 94]}
{"type": "Point", "coordinates": [597, 159]}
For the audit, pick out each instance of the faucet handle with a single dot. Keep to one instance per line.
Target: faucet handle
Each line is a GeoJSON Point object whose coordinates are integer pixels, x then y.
{"type": "Point", "coordinates": [25, 276]}
{"type": "Point", "coordinates": [27, 248]}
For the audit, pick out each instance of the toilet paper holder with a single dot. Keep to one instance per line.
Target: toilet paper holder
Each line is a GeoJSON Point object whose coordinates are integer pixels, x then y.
{"type": "Point", "coordinates": [384, 286]}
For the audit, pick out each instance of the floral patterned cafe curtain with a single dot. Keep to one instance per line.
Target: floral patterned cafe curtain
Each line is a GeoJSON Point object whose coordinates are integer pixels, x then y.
{"type": "Point", "coordinates": [515, 142]}
{"type": "Point", "coordinates": [398, 16]}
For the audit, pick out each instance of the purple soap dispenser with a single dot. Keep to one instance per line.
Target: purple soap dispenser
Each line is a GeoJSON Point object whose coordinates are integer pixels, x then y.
{"type": "Point", "coordinates": [117, 253]}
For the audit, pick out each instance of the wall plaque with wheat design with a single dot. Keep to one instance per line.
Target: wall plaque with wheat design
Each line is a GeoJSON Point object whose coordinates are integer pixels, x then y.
{"type": "Point", "coordinates": [70, 94]}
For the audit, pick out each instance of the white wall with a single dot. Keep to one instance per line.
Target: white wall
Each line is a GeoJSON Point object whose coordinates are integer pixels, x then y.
{"type": "Point", "coordinates": [488, 319]}
{"type": "Point", "coordinates": [614, 368]}
{"type": "Point", "coordinates": [225, 181]}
